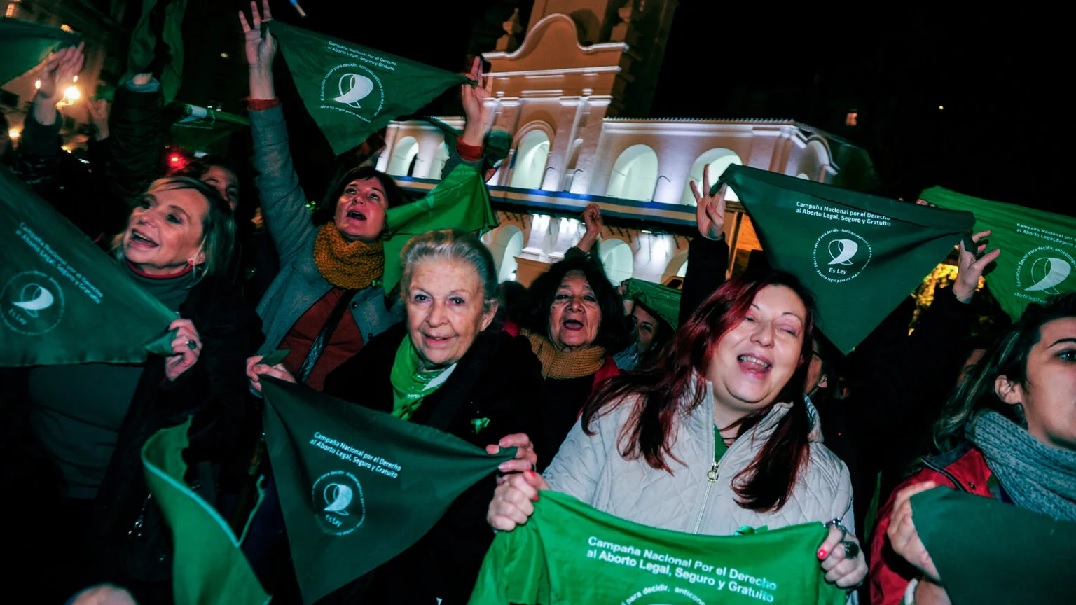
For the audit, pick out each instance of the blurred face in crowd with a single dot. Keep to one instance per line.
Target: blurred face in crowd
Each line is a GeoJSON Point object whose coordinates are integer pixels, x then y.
{"type": "Point", "coordinates": [445, 310]}
{"type": "Point", "coordinates": [360, 211]}
{"type": "Point", "coordinates": [753, 361]}
{"type": "Point", "coordinates": [1049, 396]}
{"type": "Point", "coordinates": [164, 232]}
{"type": "Point", "coordinates": [646, 326]}
{"type": "Point", "coordinates": [225, 182]}
{"type": "Point", "coordinates": [815, 378]}
{"type": "Point", "coordinates": [575, 315]}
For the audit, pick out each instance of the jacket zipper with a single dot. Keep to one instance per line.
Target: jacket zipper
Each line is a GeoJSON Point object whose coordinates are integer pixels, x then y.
{"type": "Point", "coordinates": [711, 479]}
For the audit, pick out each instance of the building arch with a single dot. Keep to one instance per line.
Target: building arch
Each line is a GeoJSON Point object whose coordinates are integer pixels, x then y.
{"type": "Point", "coordinates": [440, 157]}
{"type": "Point", "coordinates": [815, 162]}
{"type": "Point", "coordinates": [505, 243]}
{"type": "Point", "coordinates": [617, 258]}
{"type": "Point", "coordinates": [635, 174]}
{"type": "Point", "coordinates": [403, 157]}
{"type": "Point", "coordinates": [718, 159]}
{"type": "Point", "coordinates": [529, 162]}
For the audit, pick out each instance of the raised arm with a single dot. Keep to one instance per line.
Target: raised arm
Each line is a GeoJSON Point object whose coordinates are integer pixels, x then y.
{"type": "Point", "coordinates": [708, 254]}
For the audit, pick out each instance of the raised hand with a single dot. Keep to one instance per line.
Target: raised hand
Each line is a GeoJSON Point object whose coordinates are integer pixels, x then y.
{"type": "Point", "coordinates": [186, 349]}
{"type": "Point", "coordinates": [970, 266]}
{"type": "Point", "coordinates": [475, 109]}
{"type": "Point", "coordinates": [60, 69]}
{"type": "Point", "coordinates": [709, 209]}
{"type": "Point", "coordinates": [260, 48]}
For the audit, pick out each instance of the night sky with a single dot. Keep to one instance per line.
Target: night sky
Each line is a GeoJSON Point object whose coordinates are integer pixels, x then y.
{"type": "Point", "coordinates": [998, 76]}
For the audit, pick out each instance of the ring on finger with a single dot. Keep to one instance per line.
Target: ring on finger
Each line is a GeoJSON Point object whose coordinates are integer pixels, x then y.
{"type": "Point", "coordinates": [851, 549]}
{"type": "Point", "coordinates": [191, 344]}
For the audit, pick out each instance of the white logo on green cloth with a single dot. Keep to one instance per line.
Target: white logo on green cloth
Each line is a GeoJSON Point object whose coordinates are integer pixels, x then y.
{"type": "Point", "coordinates": [1043, 270]}
{"type": "Point", "coordinates": [841, 255]}
{"type": "Point", "coordinates": [337, 498]}
{"type": "Point", "coordinates": [353, 89]}
{"type": "Point", "coordinates": [32, 303]}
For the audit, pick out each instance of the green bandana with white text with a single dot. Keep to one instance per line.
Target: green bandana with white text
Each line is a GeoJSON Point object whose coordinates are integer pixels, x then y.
{"type": "Point", "coordinates": [569, 553]}
{"type": "Point", "coordinates": [63, 300]}
{"type": "Point", "coordinates": [352, 91]}
{"type": "Point", "coordinates": [860, 255]}
{"type": "Point", "coordinates": [1038, 248]}
{"type": "Point", "coordinates": [358, 486]}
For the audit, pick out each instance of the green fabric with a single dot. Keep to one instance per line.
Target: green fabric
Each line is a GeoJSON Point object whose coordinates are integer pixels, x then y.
{"type": "Point", "coordinates": [25, 44]}
{"type": "Point", "coordinates": [665, 301]}
{"type": "Point", "coordinates": [990, 552]}
{"type": "Point", "coordinates": [353, 91]}
{"type": "Point", "coordinates": [201, 128]}
{"type": "Point", "coordinates": [143, 44]}
{"type": "Point", "coordinates": [569, 553]}
{"type": "Point", "coordinates": [1038, 248]}
{"type": "Point", "coordinates": [859, 254]}
{"type": "Point", "coordinates": [459, 201]}
{"type": "Point", "coordinates": [410, 384]}
{"type": "Point", "coordinates": [209, 568]}
{"type": "Point", "coordinates": [63, 300]}
{"type": "Point", "coordinates": [358, 486]}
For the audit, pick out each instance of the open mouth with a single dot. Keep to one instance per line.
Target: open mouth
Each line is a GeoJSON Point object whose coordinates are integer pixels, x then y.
{"type": "Point", "coordinates": [573, 324]}
{"type": "Point", "coordinates": [753, 364]}
{"type": "Point", "coordinates": [139, 238]}
{"type": "Point", "coordinates": [355, 214]}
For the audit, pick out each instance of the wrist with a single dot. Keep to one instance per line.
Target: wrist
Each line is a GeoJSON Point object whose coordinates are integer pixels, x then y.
{"type": "Point", "coordinates": [909, 592]}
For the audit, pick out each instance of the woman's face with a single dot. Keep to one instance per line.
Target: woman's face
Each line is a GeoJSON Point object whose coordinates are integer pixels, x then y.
{"type": "Point", "coordinates": [164, 232]}
{"type": "Point", "coordinates": [360, 211]}
{"type": "Point", "coordinates": [445, 310]}
{"type": "Point", "coordinates": [1049, 397]}
{"type": "Point", "coordinates": [575, 315]}
{"type": "Point", "coordinates": [755, 359]}
{"type": "Point", "coordinates": [225, 182]}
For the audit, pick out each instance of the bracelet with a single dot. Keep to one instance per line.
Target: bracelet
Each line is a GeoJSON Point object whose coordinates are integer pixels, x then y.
{"type": "Point", "coordinates": [261, 104]}
{"type": "Point", "coordinates": [909, 592]}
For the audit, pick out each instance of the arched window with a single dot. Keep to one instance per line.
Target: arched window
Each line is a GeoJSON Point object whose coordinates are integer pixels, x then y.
{"type": "Point", "coordinates": [530, 160]}
{"type": "Point", "coordinates": [439, 159]}
{"type": "Point", "coordinates": [618, 260]}
{"type": "Point", "coordinates": [635, 174]}
{"type": "Point", "coordinates": [505, 243]}
{"type": "Point", "coordinates": [403, 157]}
{"type": "Point", "coordinates": [718, 160]}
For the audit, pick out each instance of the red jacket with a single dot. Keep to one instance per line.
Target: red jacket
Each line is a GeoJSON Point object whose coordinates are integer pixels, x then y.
{"type": "Point", "coordinates": [963, 468]}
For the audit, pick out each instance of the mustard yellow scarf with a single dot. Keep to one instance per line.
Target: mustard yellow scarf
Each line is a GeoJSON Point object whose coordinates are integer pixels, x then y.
{"type": "Point", "coordinates": [564, 364]}
{"type": "Point", "coordinates": [347, 264]}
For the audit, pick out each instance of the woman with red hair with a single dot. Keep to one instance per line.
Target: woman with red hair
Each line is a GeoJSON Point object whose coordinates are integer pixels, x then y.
{"type": "Point", "coordinates": [713, 436]}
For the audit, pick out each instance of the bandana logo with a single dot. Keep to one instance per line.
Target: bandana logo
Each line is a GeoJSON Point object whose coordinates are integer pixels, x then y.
{"type": "Point", "coordinates": [1043, 271]}
{"type": "Point", "coordinates": [338, 503]}
{"type": "Point", "coordinates": [31, 303]}
{"type": "Point", "coordinates": [354, 90]}
{"type": "Point", "coordinates": [841, 255]}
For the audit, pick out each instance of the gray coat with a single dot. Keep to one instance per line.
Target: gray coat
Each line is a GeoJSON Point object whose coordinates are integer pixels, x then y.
{"type": "Point", "coordinates": [589, 468]}
{"type": "Point", "coordinates": [299, 284]}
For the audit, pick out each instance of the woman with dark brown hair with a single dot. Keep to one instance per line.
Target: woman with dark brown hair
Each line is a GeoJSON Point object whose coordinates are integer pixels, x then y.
{"type": "Point", "coordinates": [717, 431]}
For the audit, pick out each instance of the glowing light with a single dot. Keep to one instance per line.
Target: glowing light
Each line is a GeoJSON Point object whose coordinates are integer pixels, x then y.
{"type": "Point", "coordinates": [72, 94]}
{"type": "Point", "coordinates": [37, 83]}
{"type": "Point", "coordinates": [14, 134]}
{"type": "Point", "coordinates": [941, 107]}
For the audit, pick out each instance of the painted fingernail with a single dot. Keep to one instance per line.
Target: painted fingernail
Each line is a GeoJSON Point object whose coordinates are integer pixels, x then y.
{"type": "Point", "coordinates": [822, 553]}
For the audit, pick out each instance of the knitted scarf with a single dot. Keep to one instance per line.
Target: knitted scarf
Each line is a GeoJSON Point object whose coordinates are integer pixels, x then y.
{"type": "Point", "coordinates": [410, 383]}
{"type": "Point", "coordinates": [1037, 477]}
{"type": "Point", "coordinates": [347, 264]}
{"type": "Point", "coordinates": [564, 364]}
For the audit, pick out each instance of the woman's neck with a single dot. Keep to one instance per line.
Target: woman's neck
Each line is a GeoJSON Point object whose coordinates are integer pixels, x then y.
{"type": "Point", "coordinates": [139, 271]}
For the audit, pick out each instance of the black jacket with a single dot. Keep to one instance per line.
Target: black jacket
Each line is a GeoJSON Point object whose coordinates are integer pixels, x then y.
{"type": "Point", "coordinates": [499, 378]}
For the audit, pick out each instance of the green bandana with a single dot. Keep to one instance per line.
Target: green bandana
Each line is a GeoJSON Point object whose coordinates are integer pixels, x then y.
{"type": "Point", "coordinates": [353, 91]}
{"type": "Point", "coordinates": [210, 568]}
{"type": "Point", "coordinates": [990, 552]}
{"type": "Point", "coordinates": [1038, 249]}
{"type": "Point", "coordinates": [860, 255]}
{"type": "Point", "coordinates": [665, 301]}
{"type": "Point", "coordinates": [570, 553]}
{"type": "Point", "coordinates": [357, 486]}
{"type": "Point", "coordinates": [410, 383]}
{"type": "Point", "coordinates": [63, 300]}
{"type": "Point", "coordinates": [25, 44]}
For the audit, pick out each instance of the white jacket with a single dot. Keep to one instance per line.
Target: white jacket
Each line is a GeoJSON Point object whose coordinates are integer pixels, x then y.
{"type": "Point", "coordinates": [591, 469]}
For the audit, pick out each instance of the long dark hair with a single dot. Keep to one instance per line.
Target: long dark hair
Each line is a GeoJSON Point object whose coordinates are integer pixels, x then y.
{"type": "Point", "coordinates": [656, 392]}
{"type": "Point", "coordinates": [613, 332]}
{"type": "Point", "coordinates": [1008, 357]}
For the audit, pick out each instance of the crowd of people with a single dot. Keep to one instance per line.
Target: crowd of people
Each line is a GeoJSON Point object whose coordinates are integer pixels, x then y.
{"type": "Point", "coordinates": [723, 409]}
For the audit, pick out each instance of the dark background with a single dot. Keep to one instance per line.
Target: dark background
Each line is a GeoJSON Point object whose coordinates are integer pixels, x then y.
{"type": "Point", "coordinates": [1000, 74]}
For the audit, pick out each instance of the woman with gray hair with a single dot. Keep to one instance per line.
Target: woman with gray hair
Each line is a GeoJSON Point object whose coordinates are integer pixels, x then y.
{"type": "Point", "coordinates": [444, 366]}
